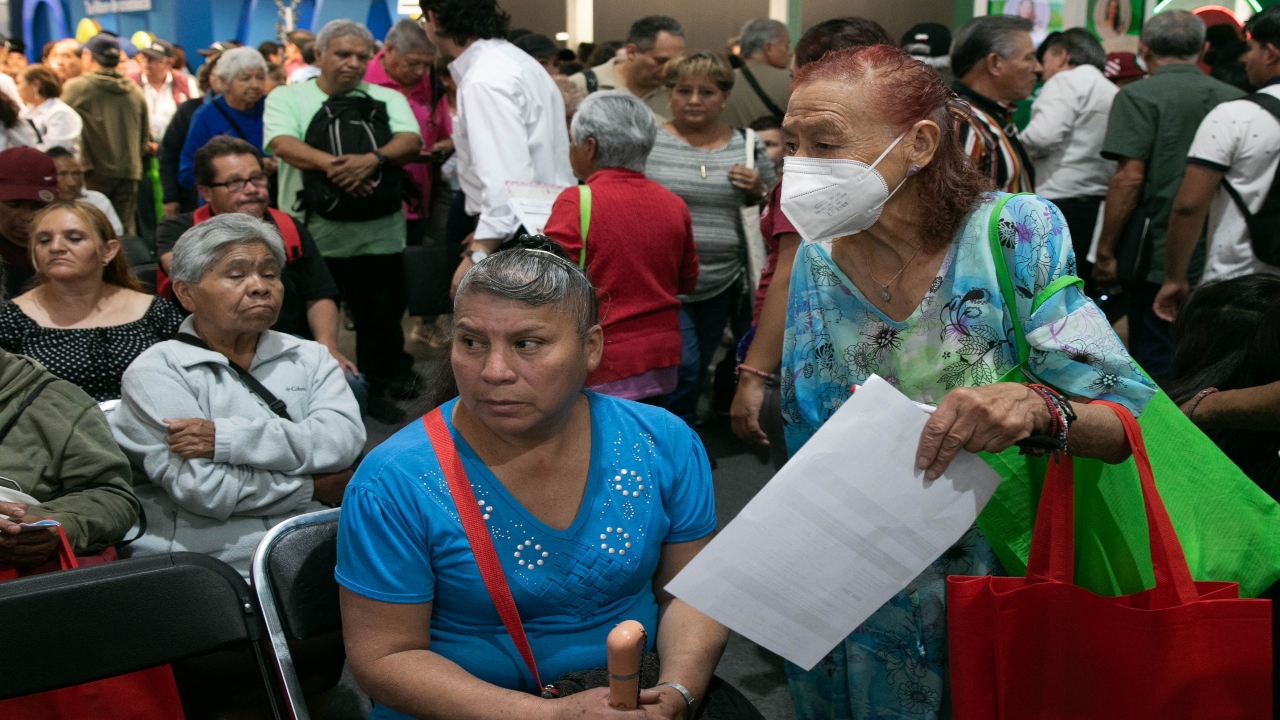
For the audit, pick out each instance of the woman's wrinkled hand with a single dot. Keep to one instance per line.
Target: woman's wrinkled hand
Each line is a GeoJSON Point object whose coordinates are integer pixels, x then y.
{"type": "Point", "coordinates": [24, 550]}
{"type": "Point", "coordinates": [990, 418]}
{"type": "Point", "coordinates": [191, 439]}
{"type": "Point", "coordinates": [594, 705]}
{"type": "Point", "coordinates": [745, 412]}
{"type": "Point", "coordinates": [748, 179]}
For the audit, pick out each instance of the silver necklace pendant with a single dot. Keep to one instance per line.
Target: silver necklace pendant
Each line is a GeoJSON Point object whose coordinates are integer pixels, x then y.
{"type": "Point", "coordinates": [885, 293]}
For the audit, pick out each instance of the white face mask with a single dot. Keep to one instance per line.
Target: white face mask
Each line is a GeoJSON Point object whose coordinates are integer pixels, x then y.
{"type": "Point", "coordinates": [826, 199]}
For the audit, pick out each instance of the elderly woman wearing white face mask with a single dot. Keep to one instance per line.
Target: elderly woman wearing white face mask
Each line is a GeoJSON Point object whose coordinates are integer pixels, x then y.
{"type": "Point", "coordinates": [898, 278]}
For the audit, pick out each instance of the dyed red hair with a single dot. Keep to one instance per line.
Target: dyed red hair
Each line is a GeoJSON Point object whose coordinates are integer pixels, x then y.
{"type": "Point", "coordinates": [904, 91]}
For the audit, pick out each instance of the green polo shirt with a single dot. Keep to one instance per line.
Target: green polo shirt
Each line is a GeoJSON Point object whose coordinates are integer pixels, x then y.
{"type": "Point", "coordinates": [1155, 120]}
{"type": "Point", "coordinates": [289, 111]}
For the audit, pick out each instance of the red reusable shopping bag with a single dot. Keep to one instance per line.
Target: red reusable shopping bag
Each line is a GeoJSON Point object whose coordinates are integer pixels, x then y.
{"type": "Point", "coordinates": [1040, 647]}
{"type": "Point", "coordinates": [143, 695]}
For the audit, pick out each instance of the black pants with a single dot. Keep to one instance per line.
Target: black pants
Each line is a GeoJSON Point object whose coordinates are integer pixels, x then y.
{"type": "Point", "coordinates": [372, 287]}
{"type": "Point", "coordinates": [1081, 215]}
{"type": "Point", "coordinates": [1150, 339]}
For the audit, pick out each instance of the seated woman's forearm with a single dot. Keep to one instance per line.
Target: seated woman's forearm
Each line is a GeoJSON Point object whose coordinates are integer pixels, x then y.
{"type": "Point", "coordinates": [1097, 433]}
{"type": "Point", "coordinates": [426, 685]}
{"type": "Point", "coordinates": [220, 490]}
{"type": "Point", "coordinates": [689, 645]}
{"type": "Point", "coordinates": [1255, 408]}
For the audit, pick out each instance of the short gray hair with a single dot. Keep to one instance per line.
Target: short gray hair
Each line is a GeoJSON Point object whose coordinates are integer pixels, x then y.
{"type": "Point", "coordinates": [982, 36]}
{"type": "Point", "coordinates": [1081, 46]}
{"type": "Point", "coordinates": [239, 60]}
{"type": "Point", "coordinates": [408, 36]}
{"type": "Point", "coordinates": [1174, 34]}
{"type": "Point", "coordinates": [341, 28]}
{"type": "Point", "coordinates": [622, 125]}
{"type": "Point", "coordinates": [203, 245]}
{"type": "Point", "coordinates": [758, 33]}
{"type": "Point", "coordinates": [644, 32]}
{"type": "Point", "coordinates": [535, 278]}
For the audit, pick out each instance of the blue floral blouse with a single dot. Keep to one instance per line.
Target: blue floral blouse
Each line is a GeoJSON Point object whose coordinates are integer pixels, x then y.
{"type": "Point", "coordinates": [894, 665]}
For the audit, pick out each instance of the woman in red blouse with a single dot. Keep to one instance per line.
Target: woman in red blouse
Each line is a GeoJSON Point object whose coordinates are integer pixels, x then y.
{"type": "Point", "coordinates": [639, 245]}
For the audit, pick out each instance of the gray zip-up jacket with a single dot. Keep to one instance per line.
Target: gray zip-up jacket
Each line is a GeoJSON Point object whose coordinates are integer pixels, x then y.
{"type": "Point", "coordinates": [262, 464]}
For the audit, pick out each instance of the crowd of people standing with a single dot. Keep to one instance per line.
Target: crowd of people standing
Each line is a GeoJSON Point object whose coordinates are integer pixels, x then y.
{"type": "Point", "coordinates": [801, 215]}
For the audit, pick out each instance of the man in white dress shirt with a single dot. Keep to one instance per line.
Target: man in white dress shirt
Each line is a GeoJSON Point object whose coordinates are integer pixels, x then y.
{"type": "Point", "coordinates": [511, 121]}
{"type": "Point", "coordinates": [1064, 137]}
{"type": "Point", "coordinates": [1238, 143]}
{"type": "Point", "coordinates": [165, 89]}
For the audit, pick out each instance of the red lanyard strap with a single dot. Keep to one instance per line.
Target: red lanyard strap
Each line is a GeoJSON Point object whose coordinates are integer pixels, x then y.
{"type": "Point", "coordinates": [464, 499]}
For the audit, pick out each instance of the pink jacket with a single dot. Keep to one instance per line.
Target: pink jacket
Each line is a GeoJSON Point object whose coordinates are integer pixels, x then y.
{"type": "Point", "coordinates": [433, 122]}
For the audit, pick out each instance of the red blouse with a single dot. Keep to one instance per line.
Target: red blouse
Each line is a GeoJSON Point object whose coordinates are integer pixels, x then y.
{"type": "Point", "coordinates": [640, 255]}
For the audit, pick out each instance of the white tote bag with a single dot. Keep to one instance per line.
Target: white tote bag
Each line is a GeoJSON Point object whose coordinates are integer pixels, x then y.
{"type": "Point", "coordinates": [757, 253]}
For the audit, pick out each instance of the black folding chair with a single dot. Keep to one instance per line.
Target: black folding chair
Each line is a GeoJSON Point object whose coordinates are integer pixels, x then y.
{"type": "Point", "coordinates": [142, 259]}
{"type": "Point", "coordinates": [129, 615]}
{"type": "Point", "coordinates": [293, 576]}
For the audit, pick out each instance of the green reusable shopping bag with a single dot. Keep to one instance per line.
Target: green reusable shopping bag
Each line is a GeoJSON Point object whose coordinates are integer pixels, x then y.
{"type": "Point", "coordinates": [1229, 527]}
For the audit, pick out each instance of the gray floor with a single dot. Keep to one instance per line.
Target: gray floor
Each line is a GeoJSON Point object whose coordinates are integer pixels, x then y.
{"type": "Point", "coordinates": [740, 471]}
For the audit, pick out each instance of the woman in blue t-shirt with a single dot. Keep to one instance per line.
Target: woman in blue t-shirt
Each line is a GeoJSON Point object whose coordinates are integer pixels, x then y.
{"type": "Point", "coordinates": [592, 503]}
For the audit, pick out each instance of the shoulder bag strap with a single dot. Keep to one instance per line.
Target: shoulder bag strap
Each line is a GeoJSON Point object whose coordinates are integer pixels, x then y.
{"type": "Point", "coordinates": [22, 407]}
{"type": "Point", "coordinates": [234, 125]}
{"type": "Point", "coordinates": [288, 233]}
{"type": "Point", "coordinates": [1271, 104]}
{"type": "Point", "coordinates": [36, 130]}
{"type": "Point", "coordinates": [276, 405]}
{"type": "Point", "coordinates": [760, 93]}
{"type": "Point", "coordinates": [751, 148]}
{"type": "Point", "coordinates": [584, 222]}
{"type": "Point", "coordinates": [464, 500]}
{"type": "Point", "coordinates": [593, 80]}
{"type": "Point", "coordinates": [1007, 292]}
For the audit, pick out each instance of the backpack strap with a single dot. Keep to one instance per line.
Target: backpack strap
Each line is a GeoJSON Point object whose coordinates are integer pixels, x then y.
{"type": "Point", "coordinates": [464, 501]}
{"type": "Point", "coordinates": [276, 405]}
{"type": "Point", "coordinates": [1271, 104]}
{"type": "Point", "coordinates": [289, 233]}
{"type": "Point", "coordinates": [760, 93]}
{"type": "Point", "coordinates": [22, 406]}
{"type": "Point", "coordinates": [584, 222]}
{"type": "Point", "coordinates": [593, 80]}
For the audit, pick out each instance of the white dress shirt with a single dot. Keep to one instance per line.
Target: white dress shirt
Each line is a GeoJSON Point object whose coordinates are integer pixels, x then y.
{"type": "Point", "coordinates": [57, 123]}
{"type": "Point", "coordinates": [161, 107]}
{"type": "Point", "coordinates": [1064, 137]}
{"type": "Point", "coordinates": [303, 74]}
{"type": "Point", "coordinates": [10, 88]}
{"type": "Point", "coordinates": [511, 127]}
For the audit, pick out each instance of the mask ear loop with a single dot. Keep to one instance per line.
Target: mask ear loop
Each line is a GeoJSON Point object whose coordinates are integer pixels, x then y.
{"type": "Point", "coordinates": [892, 145]}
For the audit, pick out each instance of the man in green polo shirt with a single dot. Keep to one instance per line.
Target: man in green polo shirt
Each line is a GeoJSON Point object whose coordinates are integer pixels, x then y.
{"type": "Point", "coordinates": [366, 258]}
{"type": "Point", "coordinates": [1152, 124]}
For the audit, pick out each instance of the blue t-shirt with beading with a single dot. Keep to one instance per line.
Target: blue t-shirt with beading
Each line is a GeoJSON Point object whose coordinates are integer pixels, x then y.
{"type": "Point", "coordinates": [400, 541]}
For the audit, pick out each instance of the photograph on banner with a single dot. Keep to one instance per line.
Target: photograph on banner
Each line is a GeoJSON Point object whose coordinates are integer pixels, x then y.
{"type": "Point", "coordinates": [1045, 15]}
{"type": "Point", "coordinates": [1118, 23]}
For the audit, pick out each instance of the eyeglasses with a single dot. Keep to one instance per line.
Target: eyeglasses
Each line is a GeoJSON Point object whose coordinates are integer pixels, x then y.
{"type": "Point", "coordinates": [71, 173]}
{"type": "Point", "coordinates": [237, 185]}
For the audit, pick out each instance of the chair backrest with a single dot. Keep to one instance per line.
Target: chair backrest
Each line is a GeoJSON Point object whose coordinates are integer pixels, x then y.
{"type": "Point", "coordinates": [142, 259]}
{"type": "Point", "coordinates": [300, 559]}
{"type": "Point", "coordinates": [123, 616]}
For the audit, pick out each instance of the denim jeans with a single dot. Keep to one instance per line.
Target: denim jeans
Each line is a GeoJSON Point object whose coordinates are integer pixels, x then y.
{"type": "Point", "coordinates": [702, 326]}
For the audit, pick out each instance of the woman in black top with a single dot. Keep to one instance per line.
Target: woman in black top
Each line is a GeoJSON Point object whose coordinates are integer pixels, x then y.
{"type": "Point", "coordinates": [87, 319]}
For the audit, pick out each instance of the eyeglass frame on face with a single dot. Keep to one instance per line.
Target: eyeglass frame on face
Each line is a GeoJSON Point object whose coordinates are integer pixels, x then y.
{"type": "Point", "coordinates": [259, 180]}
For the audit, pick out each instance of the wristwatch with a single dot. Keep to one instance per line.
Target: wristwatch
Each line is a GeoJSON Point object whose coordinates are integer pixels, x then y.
{"type": "Point", "coordinates": [688, 696]}
{"type": "Point", "coordinates": [478, 255]}
{"type": "Point", "coordinates": [382, 159]}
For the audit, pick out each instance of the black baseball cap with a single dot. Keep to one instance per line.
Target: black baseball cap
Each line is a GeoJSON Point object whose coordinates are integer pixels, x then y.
{"type": "Point", "coordinates": [219, 47]}
{"type": "Point", "coordinates": [158, 49]}
{"type": "Point", "coordinates": [105, 48]}
{"type": "Point", "coordinates": [929, 39]}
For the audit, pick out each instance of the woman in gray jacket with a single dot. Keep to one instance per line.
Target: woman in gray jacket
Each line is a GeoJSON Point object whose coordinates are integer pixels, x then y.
{"type": "Point", "coordinates": [237, 427]}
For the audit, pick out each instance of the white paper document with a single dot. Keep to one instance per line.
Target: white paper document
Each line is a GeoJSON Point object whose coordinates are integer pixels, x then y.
{"type": "Point", "coordinates": [841, 529]}
{"type": "Point", "coordinates": [531, 202]}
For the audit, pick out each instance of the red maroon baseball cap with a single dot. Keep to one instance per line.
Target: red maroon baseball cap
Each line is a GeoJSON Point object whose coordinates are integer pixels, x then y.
{"type": "Point", "coordinates": [1123, 66]}
{"type": "Point", "coordinates": [27, 174]}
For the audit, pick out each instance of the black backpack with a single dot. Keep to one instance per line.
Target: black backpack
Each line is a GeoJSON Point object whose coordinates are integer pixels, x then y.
{"type": "Point", "coordinates": [1264, 226]}
{"type": "Point", "coordinates": [351, 124]}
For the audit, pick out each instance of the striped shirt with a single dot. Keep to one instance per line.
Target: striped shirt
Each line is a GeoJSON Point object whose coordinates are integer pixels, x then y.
{"type": "Point", "coordinates": [701, 178]}
{"type": "Point", "coordinates": [990, 139]}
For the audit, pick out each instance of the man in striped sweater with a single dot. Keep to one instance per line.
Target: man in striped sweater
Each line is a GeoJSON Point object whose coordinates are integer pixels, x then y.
{"type": "Point", "coordinates": [995, 61]}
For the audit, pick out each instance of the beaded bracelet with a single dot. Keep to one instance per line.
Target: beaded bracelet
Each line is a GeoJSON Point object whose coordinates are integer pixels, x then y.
{"type": "Point", "coordinates": [1061, 415]}
{"type": "Point", "coordinates": [755, 371]}
{"type": "Point", "coordinates": [1195, 401]}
